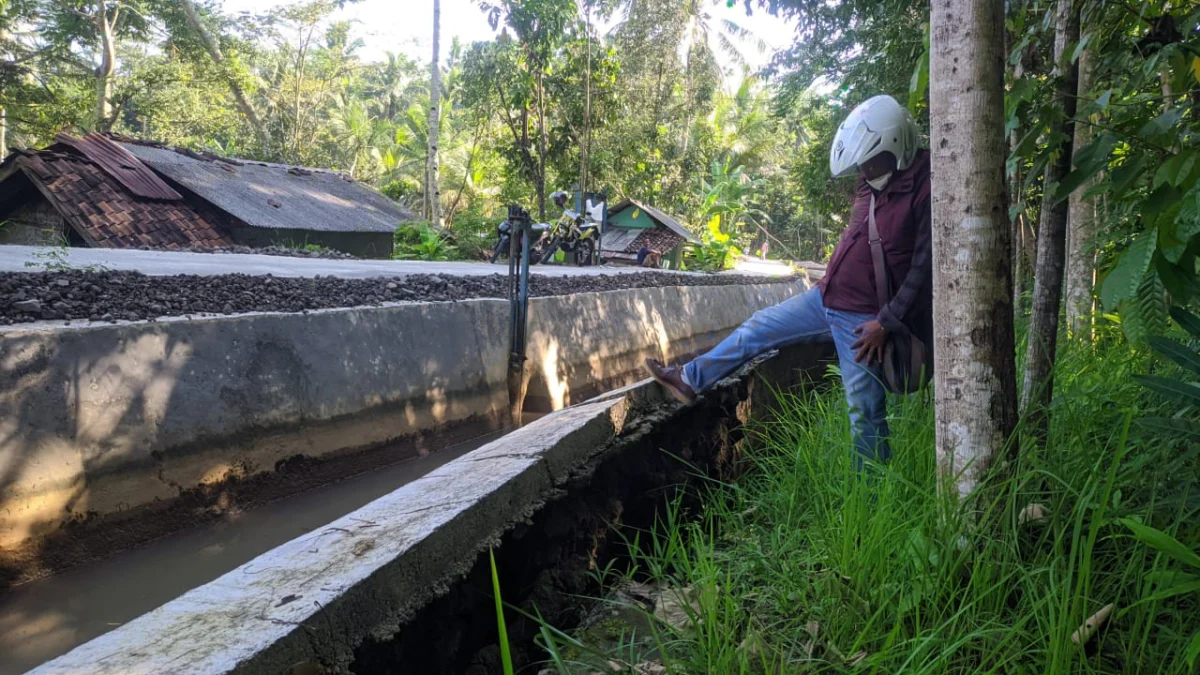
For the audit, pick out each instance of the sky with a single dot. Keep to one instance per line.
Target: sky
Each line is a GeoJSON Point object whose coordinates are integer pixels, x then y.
{"type": "Point", "coordinates": [407, 26]}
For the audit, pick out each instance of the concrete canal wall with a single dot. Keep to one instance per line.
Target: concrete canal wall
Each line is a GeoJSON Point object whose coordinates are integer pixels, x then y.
{"type": "Point", "coordinates": [103, 424]}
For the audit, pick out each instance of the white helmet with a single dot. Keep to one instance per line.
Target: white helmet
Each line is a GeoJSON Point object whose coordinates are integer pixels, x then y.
{"type": "Point", "coordinates": [879, 124]}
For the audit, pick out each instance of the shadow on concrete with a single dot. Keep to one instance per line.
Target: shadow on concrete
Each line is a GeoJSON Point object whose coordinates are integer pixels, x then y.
{"type": "Point", "coordinates": [111, 436]}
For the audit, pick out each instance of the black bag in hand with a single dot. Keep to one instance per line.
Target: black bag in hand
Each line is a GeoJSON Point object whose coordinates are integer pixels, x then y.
{"type": "Point", "coordinates": [906, 366]}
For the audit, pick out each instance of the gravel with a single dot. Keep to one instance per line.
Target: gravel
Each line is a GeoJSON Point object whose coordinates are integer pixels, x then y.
{"type": "Point", "coordinates": [328, 254]}
{"type": "Point", "coordinates": [131, 296]}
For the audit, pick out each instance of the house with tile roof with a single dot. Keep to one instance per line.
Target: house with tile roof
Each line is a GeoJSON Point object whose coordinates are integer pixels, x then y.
{"type": "Point", "coordinates": [633, 226]}
{"type": "Point", "coordinates": [117, 192]}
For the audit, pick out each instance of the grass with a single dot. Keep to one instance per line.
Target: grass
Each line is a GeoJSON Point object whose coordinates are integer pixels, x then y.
{"type": "Point", "coordinates": [501, 628]}
{"type": "Point", "coordinates": [804, 566]}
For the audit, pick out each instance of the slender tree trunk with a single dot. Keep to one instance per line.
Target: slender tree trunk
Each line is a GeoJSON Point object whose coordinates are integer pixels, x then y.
{"type": "Point", "coordinates": [432, 172]}
{"type": "Point", "coordinates": [543, 141]}
{"type": "Point", "coordinates": [239, 95]}
{"type": "Point", "coordinates": [585, 150]}
{"type": "Point", "coordinates": [108, 65]}
{"type": "Point", "coordinates": [3, 109]}
{"type": "Point", "coordinates": [1081, 230]}
{"type": "Point", "coordinates": [687, 91]}
{"type": "Point", "coordinates": [975, 377]}
{"type": "Point", "coordinates": [1038, 384]}
{"type": "Point", "coordinates": [1022, 254]}
{"type": "Point", "coordinates": [301, 57]}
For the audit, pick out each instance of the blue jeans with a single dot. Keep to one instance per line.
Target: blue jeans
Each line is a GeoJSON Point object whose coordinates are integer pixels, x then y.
{"type": "Point", "coordinates": [804, 318]}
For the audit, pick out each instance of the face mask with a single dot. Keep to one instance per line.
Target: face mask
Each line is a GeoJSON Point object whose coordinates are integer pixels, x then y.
{"type": "Point", "coordinates": [881, 182]}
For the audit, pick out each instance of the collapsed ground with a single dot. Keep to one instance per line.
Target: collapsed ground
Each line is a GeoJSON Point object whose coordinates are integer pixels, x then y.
{"type": "Point", "coordinates": [131, 296]}
{"type": "Point", "coordinates": [800, 566]}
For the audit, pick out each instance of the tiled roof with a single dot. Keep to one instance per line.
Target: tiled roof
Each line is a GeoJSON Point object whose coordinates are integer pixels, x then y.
{"type": "Point", "coordinates": [657, 239]}
{"type": "Point", "coordinates": [657, 216]}
{"type": "Point", "coordinates": [106, 214]}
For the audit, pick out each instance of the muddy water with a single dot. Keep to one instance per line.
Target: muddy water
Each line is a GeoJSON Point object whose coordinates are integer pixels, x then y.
{"type": "Point", "coordinates": [49, 617]}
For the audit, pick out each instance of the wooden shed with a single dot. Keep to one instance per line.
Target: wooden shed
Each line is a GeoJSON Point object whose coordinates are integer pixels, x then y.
{"type": "Point", "coordinates": [633, 225]}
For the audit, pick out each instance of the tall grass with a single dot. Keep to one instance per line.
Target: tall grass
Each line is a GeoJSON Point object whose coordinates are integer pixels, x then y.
{"type": "Point", "coordinates": [804, 565]}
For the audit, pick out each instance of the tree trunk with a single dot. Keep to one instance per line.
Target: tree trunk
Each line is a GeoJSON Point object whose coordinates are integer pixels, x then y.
{"type": "Point", "coordinates": [543, 141]}
{"type": "Point", "coordinates": [432, 189]}
{"type": "Point", "coordinates": [239, 95]}
{"type": "Point", "coordinates": [1023, 254]}
{"type": "Point", "coordinates": [3, 109]}
{"type": "Point", "coordinates": [107, 67]}
{"type": "Point", "coordinates": [1081, 231]}
{"type": "Point", "coordinates": [1038, 385]}
{"type": "Point", "coordinates": [587, 106]}
{"type": "Point", "coordinates": [975, 378]}
{"type": "Point", "coordinates": [687, 90]}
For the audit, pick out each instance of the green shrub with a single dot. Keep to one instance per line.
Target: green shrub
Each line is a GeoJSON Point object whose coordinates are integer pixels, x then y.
{"type": "Point", "coordinates": [404, 191]}
{"type": "Point", "coordinates": [802, 566]}
{"type": "Point", "coordinates": [474, 233]}
{"type": "Point", "coordinates": [420, 241]}
{"type": "Point", "coordinates": [717, 250]}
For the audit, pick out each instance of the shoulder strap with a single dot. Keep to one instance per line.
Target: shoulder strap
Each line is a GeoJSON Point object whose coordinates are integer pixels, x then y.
{"type": "Point", "coordinates": [883, 289]}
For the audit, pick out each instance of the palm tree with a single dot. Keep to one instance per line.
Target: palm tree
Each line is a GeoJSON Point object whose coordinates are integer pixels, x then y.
{"type": "Point", "coordinates": [433, 193]}
{"type": "Point", "coordinates": [702, 38]}
{"type": "Point", "coordinates": [357, 134]}
{"type": "Point", "coordinates": [743, 126]}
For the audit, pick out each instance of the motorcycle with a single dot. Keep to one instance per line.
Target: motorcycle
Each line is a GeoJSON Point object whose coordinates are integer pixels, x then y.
{"type": "Point", "coordinates": [504, 242]}
{"type": "Point", "coordinates": [575, 234]}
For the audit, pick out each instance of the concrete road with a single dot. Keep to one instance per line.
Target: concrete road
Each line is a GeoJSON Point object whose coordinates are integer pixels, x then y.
{"type": "Point", "coordinates": [159, 263]}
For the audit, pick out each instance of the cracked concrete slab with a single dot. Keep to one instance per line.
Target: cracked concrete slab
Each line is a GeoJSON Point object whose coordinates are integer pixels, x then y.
{"type": "Point", "coordinates": [325, 592]}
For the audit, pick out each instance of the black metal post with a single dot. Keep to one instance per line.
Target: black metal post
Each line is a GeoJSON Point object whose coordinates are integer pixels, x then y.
{"type": "Point", "coordinates": [521, 225]}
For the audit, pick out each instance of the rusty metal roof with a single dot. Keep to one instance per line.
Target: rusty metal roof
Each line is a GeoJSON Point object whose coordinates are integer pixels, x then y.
{"type": "Point", "coordinates": [102, 210]}
{"type": "Point", "coordinates": [121, 165]}
{"type": "Point", "coordinates": [274, 196]}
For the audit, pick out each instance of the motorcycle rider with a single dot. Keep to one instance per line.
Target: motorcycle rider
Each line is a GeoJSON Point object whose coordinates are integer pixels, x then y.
{"type": "Point", "coordinates": [878, 142]}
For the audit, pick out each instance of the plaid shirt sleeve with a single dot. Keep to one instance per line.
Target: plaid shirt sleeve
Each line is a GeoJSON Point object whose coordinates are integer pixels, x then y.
{"type": "Point", "coordinates": [921, 273]}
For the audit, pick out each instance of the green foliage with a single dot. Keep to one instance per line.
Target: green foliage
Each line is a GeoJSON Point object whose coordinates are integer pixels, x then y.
{"type": "Point", "coordinates": [57, 258]}
{"type": "Point", "coordinates": [727, 197]}
{"type": "Point", "coordinates": [801, 565]}
{"type": "Point", "coordinates": [505, 653]}
{"type": "Point", "coordinates": [657, 115]}
{"type": "Point", "coordinates": [717, 250]}
{"type": "Point", "coordinates": [1183, 424]}
{"type": "Point", "coordinates": [405, 190]}
{"type": "Point", "coordinates": [421, 241]}
{"type": "Point", "coordinates": [1185, 421]}
{"type": "Point", "coordinates": [474, 233]}
{"type": "Point", "coordinates": [52, 258]}
{"type": "Point", "coordinates": [1141, 163]}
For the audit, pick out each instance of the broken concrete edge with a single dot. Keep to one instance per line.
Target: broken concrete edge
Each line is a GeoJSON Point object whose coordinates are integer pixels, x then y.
{"type": "Point", "coordinates": [106, 419]}
{"type": "Point", "coordinates": [409, 544]}
{"type": "Point", "coordinates": [364, 575]}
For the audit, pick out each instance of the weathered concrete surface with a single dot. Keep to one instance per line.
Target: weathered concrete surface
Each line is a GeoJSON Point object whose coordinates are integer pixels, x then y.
{"type": "Point", "coordinates": [582, 345]}
{"type": "Point", "coordinates": [100, 419]}
{"type": "Point", "coordinates": [363, 573]}
{"type": "Point", "coordinates": [110, 420]}
{"type": "Point", "coordinates": [341, 597]}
